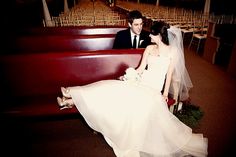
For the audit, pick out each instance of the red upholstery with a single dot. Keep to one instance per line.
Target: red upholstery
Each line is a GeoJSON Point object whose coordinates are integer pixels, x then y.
{"type": "Point", "coordinates": [74, 30]}
{"type": "Point", "coordinates": [59, 43]}
{"type": "Point", "coordinates": [44, 73]}
{"type": "Point", "coordinates": [31, 82]}
{"type": "Point", "coordinates": [46, 39]}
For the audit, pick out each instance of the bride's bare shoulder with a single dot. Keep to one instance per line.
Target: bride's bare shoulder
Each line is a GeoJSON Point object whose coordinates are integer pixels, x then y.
{"type": "Point", "coordinates": [150, 48]}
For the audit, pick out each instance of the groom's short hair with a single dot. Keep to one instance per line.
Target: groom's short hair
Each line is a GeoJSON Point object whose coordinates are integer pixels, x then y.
{"type": "Point", "coordinates": [135, 14]}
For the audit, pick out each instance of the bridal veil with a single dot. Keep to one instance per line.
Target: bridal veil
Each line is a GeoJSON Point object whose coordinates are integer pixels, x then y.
{"type": "Point", "coordinates": [181, 82]}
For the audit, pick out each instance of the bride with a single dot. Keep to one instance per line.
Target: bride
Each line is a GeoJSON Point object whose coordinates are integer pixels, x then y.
{"type": "Point", "coordinates": [132, 114]}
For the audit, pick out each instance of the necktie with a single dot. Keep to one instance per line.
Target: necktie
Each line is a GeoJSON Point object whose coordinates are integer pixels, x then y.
{"type": "Point", "coordinates": [134, 42]}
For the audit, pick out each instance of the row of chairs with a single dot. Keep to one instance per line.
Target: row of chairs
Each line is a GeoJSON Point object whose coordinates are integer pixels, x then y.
{"type": "Point", "coordinates": [60, 22]}
{"type": "Point", "coordinates": [88, 13]}
{"type": "Point", "coordinates": [193, 24]}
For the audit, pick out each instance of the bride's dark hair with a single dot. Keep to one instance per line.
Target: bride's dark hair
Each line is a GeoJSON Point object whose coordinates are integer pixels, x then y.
{"type": "Point", "coordinates": [160, 27]}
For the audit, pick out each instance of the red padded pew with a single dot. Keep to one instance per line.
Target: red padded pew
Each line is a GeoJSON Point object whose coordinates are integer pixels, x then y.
{"type": "Point", "coordinates": [47, 39]}
{"type": "Point", "coordinates": [59, 43]}
{"type": "Point", "coordinates": [31, 82]}
{"type": "Point", "coordinates": [73, 30]}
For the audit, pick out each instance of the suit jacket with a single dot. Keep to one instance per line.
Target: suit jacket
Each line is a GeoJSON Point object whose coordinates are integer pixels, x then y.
{"type": "Point", "coordinates": [123, 39]}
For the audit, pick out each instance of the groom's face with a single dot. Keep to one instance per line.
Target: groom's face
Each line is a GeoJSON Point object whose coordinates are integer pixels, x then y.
{"type": "Point", "coordinates": [137, 26]}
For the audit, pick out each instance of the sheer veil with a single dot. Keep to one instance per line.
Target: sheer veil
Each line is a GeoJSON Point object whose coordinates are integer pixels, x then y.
{"type": "Point", "coordinates": [181, 82]}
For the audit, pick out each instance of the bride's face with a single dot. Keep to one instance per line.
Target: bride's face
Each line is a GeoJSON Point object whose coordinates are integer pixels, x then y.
{"type": "Point", "coordinates": [155, 38]}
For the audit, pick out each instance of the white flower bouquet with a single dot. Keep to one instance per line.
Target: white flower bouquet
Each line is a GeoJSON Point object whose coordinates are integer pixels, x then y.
{"type": "Point", "coordinates": [131, 75]}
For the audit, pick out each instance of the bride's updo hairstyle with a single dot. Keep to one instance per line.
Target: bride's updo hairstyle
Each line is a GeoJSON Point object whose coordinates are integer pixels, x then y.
{"type": "Point", "coordinates": [160, 27]}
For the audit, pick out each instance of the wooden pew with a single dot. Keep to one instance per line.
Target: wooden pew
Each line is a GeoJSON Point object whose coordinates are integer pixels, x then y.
{"type": "Point", "coordinates": [73, 30]}
{"type": "Point", "coordinates": [58, 43]}
{"type": "Point", "coordinates": [46, 39]}
{"type": "Point", "coordinates": [31, 82]}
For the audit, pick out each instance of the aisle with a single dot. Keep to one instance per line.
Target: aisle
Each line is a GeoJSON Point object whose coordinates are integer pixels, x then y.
{"type": "Point", "coordinates": [214, 91]}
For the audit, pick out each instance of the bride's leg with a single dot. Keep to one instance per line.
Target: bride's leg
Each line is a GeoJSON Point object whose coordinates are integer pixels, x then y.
{"type": "Point", "coordinates": [65, 103]}
{"type": "Point", "coordinates": [65, 92]}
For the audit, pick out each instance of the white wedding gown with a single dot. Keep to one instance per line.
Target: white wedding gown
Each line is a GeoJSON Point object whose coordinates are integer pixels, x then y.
{"type": "Point", "coordinates": [134, 118]}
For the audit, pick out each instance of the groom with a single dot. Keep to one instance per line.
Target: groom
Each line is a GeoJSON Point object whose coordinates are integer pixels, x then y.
{"type": "Point", "coordinates": [134, 36]}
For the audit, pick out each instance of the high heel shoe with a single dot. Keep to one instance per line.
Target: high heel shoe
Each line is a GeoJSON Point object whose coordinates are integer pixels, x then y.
{"type": "Point", "coordinates": [65, 92]}
{"type": "Point", "coordinates": [63, 103]}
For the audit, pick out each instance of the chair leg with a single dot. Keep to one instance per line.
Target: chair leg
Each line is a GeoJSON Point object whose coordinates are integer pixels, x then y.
{"type": "Point", "coordinates": [198, 45]}
{"type": "Point", "coordinates": [183, 36]}
{"type": "Point", "coordinates": [190, 43]}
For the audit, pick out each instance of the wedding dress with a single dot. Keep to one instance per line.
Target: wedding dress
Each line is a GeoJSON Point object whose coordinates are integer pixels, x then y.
{"type": "Point", "coordinates": [134, 118]}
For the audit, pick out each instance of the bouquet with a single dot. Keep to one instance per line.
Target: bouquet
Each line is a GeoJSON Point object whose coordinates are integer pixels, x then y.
{"type": "Point", "coordinates": [131, 75]}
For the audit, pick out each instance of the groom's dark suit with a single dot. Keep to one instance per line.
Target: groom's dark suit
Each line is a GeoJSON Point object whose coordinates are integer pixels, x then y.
{"type": "Point", "coordinates": [123, 39]}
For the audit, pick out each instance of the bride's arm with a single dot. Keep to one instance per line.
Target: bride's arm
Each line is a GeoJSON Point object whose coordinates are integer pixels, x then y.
{"type": "Point", "coordinates": [168, 78]}
{"type": "Point", "coordinates": [129, 72]}
{"type": "Point", "coordinates": [143, 63]}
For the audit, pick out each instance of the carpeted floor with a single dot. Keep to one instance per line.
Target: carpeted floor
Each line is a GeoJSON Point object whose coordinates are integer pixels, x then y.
{"type": "Point", "coordinates": [213, 91]}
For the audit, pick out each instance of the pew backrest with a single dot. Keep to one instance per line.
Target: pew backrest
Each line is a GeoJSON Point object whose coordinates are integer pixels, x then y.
{"type": "Point", "coordinates": [73, 30]}
{"type": "Point", "coordinates": [46, 39]}
{"type": "Point", "coordinates": [59, 43]}
{"type": "Point", "coordinates": [44, 73]}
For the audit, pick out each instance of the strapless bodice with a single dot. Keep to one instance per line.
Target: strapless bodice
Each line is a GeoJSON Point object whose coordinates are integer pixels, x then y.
{"type": "Point", "coordinates": [154, 76]}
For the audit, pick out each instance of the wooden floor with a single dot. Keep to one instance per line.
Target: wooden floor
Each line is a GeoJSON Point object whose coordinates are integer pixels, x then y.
{"type": "Point", "coordinates": [214, 91]}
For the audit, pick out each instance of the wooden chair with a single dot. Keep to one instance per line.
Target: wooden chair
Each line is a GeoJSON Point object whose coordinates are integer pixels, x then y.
{"type": "Point", "coordinates": [199, 34]}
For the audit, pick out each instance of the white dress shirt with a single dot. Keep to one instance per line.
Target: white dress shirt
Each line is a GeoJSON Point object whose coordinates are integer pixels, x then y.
{"type": "Point", "coordinates": [137, 38]}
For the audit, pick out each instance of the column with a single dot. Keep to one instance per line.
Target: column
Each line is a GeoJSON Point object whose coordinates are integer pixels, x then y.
{"type": "Point", "coordinates": [47, 17]}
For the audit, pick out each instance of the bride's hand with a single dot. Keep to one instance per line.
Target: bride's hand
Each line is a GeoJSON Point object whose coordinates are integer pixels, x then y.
{"type": "Point", "coordinates": [139, 72]}
{"type": "Point", "coordinates": [122, 78]}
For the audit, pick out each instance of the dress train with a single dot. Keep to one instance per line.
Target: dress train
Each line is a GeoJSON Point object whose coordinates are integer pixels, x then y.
{"type": "Point", "coordinates": [134, 118]}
